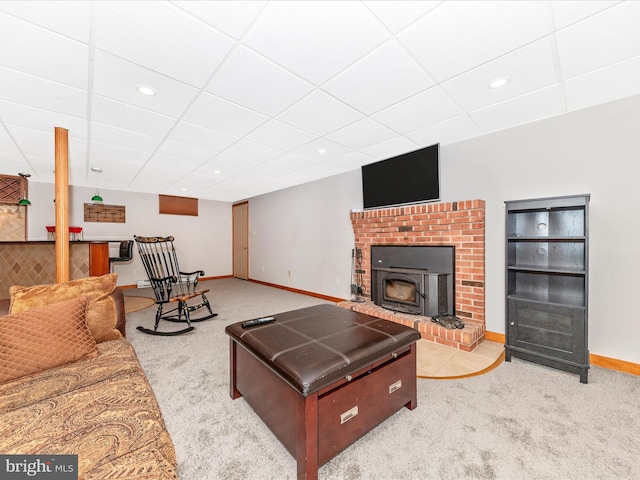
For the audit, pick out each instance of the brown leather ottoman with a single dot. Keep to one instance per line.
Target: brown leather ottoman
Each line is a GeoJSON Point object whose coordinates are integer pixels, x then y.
{"type": "Point", "coordinates": [323, 376]}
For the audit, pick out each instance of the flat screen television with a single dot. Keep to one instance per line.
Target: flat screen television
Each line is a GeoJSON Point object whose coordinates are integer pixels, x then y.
{"type": "Point", "coordinates": [412, 177]}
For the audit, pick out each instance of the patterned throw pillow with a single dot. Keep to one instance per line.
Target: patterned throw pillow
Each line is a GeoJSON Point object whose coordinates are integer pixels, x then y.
{"type": "Point", "coordinates": [43, 338]}
{"type": "Point", "coordinates": [101, 311]}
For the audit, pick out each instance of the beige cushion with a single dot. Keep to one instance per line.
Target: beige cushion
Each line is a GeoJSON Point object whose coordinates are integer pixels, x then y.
{"type": "Point", "coordinates": [43, 338]}
{"type": "Point", "coordinates": [101, 309]}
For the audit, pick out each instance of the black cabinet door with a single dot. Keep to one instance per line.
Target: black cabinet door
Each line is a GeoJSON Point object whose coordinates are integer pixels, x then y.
{"type": "Point", "coordinates": [546, 329]}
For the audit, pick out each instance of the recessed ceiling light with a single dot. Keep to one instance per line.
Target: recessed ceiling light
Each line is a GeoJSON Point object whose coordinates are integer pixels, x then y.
{"type": "Point", "coordinates": [217, 172]}
{"type": "Point", "coordinates": [146, 90]}
{"type": "Point", "coordinates": [499, 82]}
{"type": "Point", "coordinates": [184, 189]}
{"type": "Point", "coordinates": [322, 150]}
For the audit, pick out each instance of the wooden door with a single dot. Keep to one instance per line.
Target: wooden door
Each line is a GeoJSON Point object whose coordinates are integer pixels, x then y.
{"type": "Point", "coordinates": [240, 214]}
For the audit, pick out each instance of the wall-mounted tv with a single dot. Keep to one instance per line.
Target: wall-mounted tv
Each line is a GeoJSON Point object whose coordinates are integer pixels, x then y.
{"type": "Point", "coordinates": [413, 177]}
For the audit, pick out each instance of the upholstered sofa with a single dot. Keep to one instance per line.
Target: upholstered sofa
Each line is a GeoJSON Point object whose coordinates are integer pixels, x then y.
{"type": "Point", "coordinates": [71, 383]}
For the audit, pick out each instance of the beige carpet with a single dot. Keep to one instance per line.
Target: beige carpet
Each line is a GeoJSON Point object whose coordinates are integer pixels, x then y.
{"type": "Point", "coordinates": [518, 421]}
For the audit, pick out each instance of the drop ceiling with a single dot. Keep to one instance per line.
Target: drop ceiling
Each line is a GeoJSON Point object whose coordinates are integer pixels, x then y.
{"type": "Point", "coordinates": [254, 96]}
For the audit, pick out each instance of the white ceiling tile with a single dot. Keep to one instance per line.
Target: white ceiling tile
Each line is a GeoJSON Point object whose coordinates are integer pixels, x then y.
{"type": "Point", "coordinates": [40, 93]}
{"type": "Point", "coordinates": [38, 119]}
{"type": "Point", "coordinates": [153, 179]}
{"type": "Point", "coordinates": [316, 40]}
{"type": "Point", "coordinates": [382, 78]}
{"type": "Point", "coordinates": [215, 169]}
{"type": "Point", "coordinates": [115, 171]}
{"type": "Point", "coordinates": [101, 154]}
{"type": "Point", "coordinates": [178, 166]}
{"type": "Point", "coordinates": [202, 137]}
{"type": "Point", "coordinates": [524, 109]}
{"type": "Point", "coordinates": [129, 117]}
{"type": "Point", "coordinates": [269, 89]}
{"type": "Point", "coordinates": [225, 162]}
{"type": "Point", "coordinates": [74, 23]}
{"type": "Point", "coordinates": [13, 164]}
{"type": "Point", "coordinates": [185, 151]}
{"type": "Point", "coordinates": [449, 131]}
{"type": "Point", "coordinates": [232, 17]}
{"type": "Point", "coordinates": [604, 85]}
{"type": "Point", "coordinates": [117, 79]}
{"type": "Point", "coordinates": [426, 108]}
{"type": "Point", "coordinates": [390, 148]}
{"type": "Point", "coordinates": [321, 150]}
{"type": "Point", "coordinates": [280, 135]}
{"type": "Point", "coordinates": [397, 14]}
{"type": "Point", "coordinates": [351, 160]}
{"type": "Point", "coordinates": [361, 134]}
{"type": "Point", "coordinates": [292, 162]}
{"type": "Point", "coordinates": [529, 68]}
{"type": "Point", "coordinates": [231, 185]}
{"type": "Point", "coordinates": [606, 45]}
{"type": "Point", "coordinates": [44, 54]}
{"type": "Point", "coordinates": [457, 36]}
{"type": "Point", "coordinates": [7, 145]}
{"type": "Point", "coordinates": [106, 134]}
{"type": "Point", "coordinates": [218, 114]}
{"type": "Point", "coordinates": [255, 152]}
{"type": "Point", "coordinates": [162, 38]}
{"type": "Point", "coordinates": [198, 181]}
{"type": "Point", "coordinates": [41, 169]}
{"type": "Point", "coordinates": [565, 13]}
{"type": "Point", "coordinates": [41, 144]}
{"type": "Point", "coordinates": [319, 114]}
{"type": "Point", "coordinates": [277, 167]}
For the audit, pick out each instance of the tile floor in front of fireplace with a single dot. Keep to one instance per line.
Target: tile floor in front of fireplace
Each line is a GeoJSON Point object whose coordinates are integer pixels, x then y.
{"type": "Point", "coordinates": [437, 361]}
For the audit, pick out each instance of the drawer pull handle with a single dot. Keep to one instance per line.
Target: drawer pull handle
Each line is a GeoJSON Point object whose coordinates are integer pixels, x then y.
{"type": "Point", "coordinates": [348, 415]}
{"type": "Point", "coordinates": [395, 386]}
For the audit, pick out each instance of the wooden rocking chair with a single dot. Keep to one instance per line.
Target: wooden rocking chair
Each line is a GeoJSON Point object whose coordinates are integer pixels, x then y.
{"type": "Point", "coordinates": [170, 285]}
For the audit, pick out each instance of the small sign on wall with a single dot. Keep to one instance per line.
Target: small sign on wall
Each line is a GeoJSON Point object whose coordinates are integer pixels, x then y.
{"type": "Point", "coordinates": [97, 212]}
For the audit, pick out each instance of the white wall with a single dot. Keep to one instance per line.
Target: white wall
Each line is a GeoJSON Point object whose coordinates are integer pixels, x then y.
{"type": "Point", "coordinates": [202, 242]}
{"type": "Point", "coordinates": [306, 229]}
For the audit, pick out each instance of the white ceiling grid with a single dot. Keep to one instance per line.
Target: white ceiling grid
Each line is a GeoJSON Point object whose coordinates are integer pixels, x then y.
{"type": "Point", "coordinates": [255, 96]}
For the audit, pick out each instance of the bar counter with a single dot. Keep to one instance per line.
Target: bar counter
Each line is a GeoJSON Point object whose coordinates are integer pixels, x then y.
{"type": "Point", "coordinates": [30, 263]}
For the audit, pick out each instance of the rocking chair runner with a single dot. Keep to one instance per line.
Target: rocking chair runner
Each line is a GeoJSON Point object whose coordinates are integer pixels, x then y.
{"type": "Point", "coordinates": [170, 285]}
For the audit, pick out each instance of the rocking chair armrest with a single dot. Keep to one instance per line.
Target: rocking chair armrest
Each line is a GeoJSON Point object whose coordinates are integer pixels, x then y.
{"type": "Point", "coordinates": [199, 272]}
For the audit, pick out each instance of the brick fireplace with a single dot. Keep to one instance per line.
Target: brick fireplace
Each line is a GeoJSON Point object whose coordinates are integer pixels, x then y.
{"type": "Point", "coordinates": [459, 224]}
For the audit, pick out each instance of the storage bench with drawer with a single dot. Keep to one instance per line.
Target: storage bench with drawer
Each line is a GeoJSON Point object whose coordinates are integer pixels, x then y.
{"type": "Point", "coordinates": [323, 376]}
